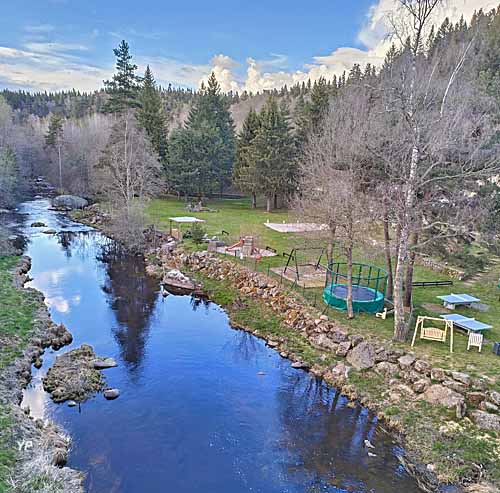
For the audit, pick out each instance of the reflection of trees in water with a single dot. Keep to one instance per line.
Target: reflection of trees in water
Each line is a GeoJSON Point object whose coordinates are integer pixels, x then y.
{"type": "Point", "coordinates": [200, 302]}
{"type": "Point", "coordinates": [82, 244]}
{"type": "Point", "coordinates": [243, 346]}
{"type": "Point", "coordinates": [328, 437]}
{"type": "Point", "coordinates": [132, 296]}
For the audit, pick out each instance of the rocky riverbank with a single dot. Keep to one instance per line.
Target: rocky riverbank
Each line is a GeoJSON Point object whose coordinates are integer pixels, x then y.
{"type": "Point", "coordinates": [448, 421]}
{"type": "Point", "coordinates": [41, 447]}
{"type": "Point", "coordinates": [446, 407]}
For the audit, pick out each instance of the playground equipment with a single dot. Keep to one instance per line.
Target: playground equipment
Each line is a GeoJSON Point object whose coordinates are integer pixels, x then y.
{"type": "Point", "coordinates": [302, 268]}
{"type": "Point", "coordinates": [295, 265]}
{"type": "Point", "coordinates": [431, 333]}
{"type": "Point", "coordinates": [245, 246]}
{"type": "Point", "coordinates": [369, 284]}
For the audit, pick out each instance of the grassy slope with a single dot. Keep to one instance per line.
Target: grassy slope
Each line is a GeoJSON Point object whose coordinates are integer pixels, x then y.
{"type": "Point", "coordinates": [452, 454]}
{"type": "Point", "coordinates": [236, 217]}
{"type": "Point", "coordinates": [16, 322]}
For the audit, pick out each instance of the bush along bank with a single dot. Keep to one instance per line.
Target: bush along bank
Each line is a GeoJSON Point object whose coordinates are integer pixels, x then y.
{"type": "Point", "coordinates": [448, 420]}
{"type": "Point", "coordinates": [32, 452]}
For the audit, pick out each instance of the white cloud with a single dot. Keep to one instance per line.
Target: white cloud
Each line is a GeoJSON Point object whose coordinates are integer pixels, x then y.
{"type": "Point", "coordinates": [168, 70]}
{"type": "Point", "coordinates": [54, 48]}
{"type": "Point", "coordinates": [53, 65]}
{"type": "Point", "coordinates": [47, 70]}
{"type": "Point", "coordinates": [374, 35]}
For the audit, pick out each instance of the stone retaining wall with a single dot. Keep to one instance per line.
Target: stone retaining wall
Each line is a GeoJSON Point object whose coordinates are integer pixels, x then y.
{"type": "Point", "coordinates": [405, 375]}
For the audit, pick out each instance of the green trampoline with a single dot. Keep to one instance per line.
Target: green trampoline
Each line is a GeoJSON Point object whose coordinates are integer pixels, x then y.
{"type": "Point", "coordinates": [368, 287]}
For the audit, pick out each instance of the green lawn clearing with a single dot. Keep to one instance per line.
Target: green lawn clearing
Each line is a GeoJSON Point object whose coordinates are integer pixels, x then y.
{"type": "Point", "coordinates": [239, 219]}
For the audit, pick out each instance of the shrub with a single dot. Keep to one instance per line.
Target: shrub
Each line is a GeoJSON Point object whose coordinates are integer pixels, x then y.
{"type": "Point", "coordinates": [197, 233]}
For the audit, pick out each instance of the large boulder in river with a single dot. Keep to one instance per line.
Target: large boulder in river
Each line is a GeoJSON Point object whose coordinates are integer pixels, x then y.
{"type": "Point", "coordinates": [177, 283]}
{"type": "Point", "coordinates": [69, 202]}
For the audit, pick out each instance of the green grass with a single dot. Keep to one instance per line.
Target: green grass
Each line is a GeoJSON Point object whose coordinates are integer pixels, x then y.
{"type": "Point", "coordinates": [452, 456]}
{"type": "Point", "coordinates": [17, 311]}
{"type": "Point", "coordinates": [238, 218]}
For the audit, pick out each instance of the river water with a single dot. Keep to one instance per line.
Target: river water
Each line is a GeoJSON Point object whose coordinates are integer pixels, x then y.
{"type": "Point", "coordinates": [203, 408]}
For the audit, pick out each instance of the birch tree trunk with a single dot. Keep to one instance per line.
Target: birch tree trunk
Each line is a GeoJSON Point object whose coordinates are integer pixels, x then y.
{"type": "Point", "coordinates": [388, 257]}
{"type": "Point", "coordinates": [350, 311]}
{"type": "Point", "coordinates": [409, 272]}
{"type": "Point", "coordinates": [400, 327]}
{"type": "Point", "coordinates": [60, 167]}
{"type": "Point", "coordinates": [268, 203]}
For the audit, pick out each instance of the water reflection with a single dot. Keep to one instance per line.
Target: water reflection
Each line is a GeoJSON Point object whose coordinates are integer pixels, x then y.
{"type": "Point", "coordinates": [203, 408]}
{"type": "Point", "coordinates": [132, 295]}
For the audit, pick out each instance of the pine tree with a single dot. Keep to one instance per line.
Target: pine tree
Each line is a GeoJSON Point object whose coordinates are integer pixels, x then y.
{"type": "Point", "coordinates": [151, 115]}
{"type": "Point", "coordinates": [123, 88]}
{"type": "Point", "coordinates": [320, 101]}
{"type": "Point", "coordinates": [211, 111]}
{"type": "Point", "coordinates": [275, 153]}
{"type": "Point", "coordinates": [245, 175]}
{"type": "Point", "coordinates": [54, 139]}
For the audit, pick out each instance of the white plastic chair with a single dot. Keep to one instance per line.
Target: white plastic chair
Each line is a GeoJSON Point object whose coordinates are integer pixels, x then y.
{"type": "Point", "coordinates": [475, 340]}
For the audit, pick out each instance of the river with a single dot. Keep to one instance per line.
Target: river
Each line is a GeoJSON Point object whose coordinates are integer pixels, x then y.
{"type": "Point", "coordinates": [203, 408]}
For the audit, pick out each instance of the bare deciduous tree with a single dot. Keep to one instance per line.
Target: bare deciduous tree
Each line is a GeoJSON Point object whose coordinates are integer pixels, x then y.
{"type": "Point", "coordinates": [128, 169]}
{"type": "Point", "coordinates": [433, 137]}
{"type": "Point", "coordinates": [334, 190]}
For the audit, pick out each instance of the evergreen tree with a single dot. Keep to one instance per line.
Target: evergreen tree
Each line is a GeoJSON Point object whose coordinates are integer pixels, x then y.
{"type": "Point", "coordinates": [320, 101]}
{"type": "Point", "coordinates": [151, 115]}
{"type": "Point", "coordinates": [191, 153]}
{"type": "Point", "coordinates": [245, 175]}
{"type": "Point", "coordinates": [275, 153]}
{"type": "Point", "coordinates": [123, 88]}
{"type": "Point", "coordinates": [211, 111]}
{"type": "Point", "coordinates": [54, 140]}
{"type": "Point", "coordinates": [489, 74]}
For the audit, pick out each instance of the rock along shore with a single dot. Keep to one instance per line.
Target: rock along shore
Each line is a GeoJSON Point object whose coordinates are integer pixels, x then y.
{"type": "Point", "coordinates": [403, 376]}
{"type": "Point", "coordinates": [42, 447]}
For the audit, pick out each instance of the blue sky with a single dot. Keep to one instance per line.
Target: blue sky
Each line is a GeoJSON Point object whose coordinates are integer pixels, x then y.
{"type": "Point", "coordinates": [52, 44]}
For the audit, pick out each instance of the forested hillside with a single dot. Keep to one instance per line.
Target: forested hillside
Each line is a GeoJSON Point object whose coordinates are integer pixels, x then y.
{"type": "Point", "coordinates": [192, 143]}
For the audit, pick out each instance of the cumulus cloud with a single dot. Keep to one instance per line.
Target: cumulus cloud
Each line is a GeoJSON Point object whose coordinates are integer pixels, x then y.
{"type": "Point", "coordinates": [41, 65]}
{"type": "Point", "coordinates": [375, 36]}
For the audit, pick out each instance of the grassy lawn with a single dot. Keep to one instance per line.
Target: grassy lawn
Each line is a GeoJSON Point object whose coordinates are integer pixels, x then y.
{"type": "Point", "coordinates": [238, 219]}
{"type": "Point", "coordinates": [16, 322]}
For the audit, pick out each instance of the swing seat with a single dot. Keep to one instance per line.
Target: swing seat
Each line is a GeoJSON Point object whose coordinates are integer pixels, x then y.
{"type": "Point", "coordinates": [433, 334]}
